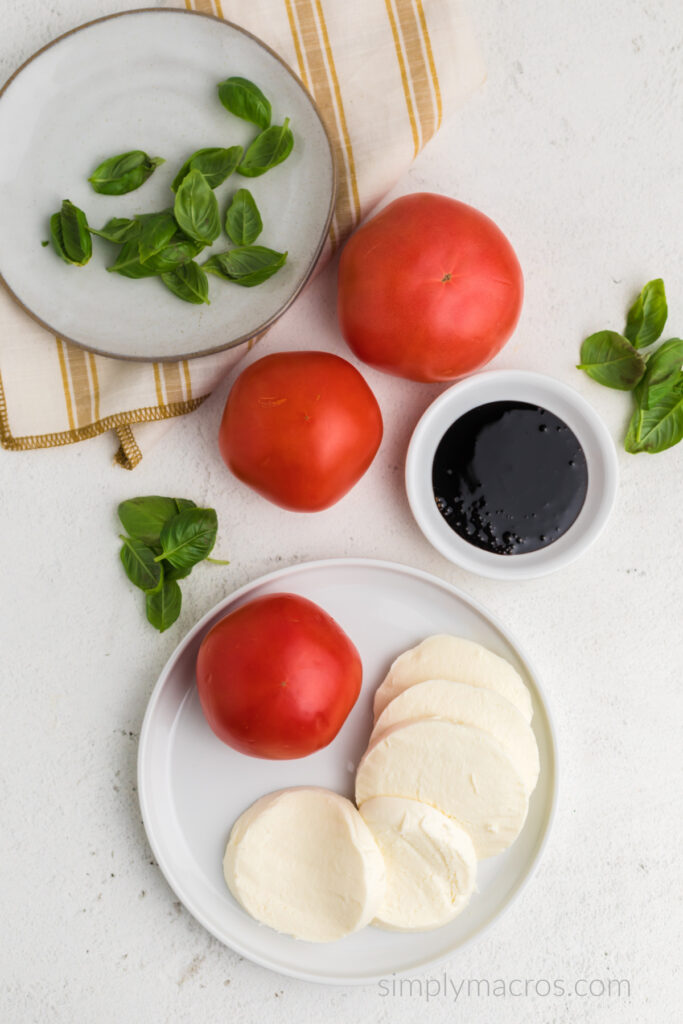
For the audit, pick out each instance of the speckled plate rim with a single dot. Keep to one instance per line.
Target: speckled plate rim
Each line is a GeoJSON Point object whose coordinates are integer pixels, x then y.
{"type": "Point", "coordinates": [176, 357]}
{"type": "Point", "coordinates": [550, 770]}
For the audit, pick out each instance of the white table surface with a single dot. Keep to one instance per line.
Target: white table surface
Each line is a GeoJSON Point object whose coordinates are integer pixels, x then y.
{"type": "Point", "coordinates": [575, 146]}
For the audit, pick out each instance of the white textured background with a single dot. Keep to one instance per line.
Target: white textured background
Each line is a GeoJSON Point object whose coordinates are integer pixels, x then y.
{"type": "Point", "coordinates": [575, 147]}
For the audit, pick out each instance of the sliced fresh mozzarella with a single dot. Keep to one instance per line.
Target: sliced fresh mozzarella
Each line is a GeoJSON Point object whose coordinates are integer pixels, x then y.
{"type": "Point", "coordinates": [430, 862]}
{"type": "Point", "coordinates": [468, 705]}
{"type": "Point", "coordinates": [304, 862]}
{"type": "Point", "coordinates": [457, 659]}
{"type": "Point", "coordinates": [458, 769]}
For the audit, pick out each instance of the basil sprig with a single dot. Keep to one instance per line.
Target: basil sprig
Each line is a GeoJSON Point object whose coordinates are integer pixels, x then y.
{"type": "Point", "coordinates": [196, 208]}
{"type": "Point", "coordinates": [118, 229]}
{"type": "Point", "coordinates": [248, 265]}
{"type": "Point", "coordinates": [611, 360]}
{"type": "Point", "coordinates": [166, 538]}
{"type": "Point", "coordinates": [243, 222]}
{"type": "Point", "coordinates": [215, 164]}
{"type": "Point", "coordinates": [70, 234]}
{"type": "Point", "coordinates": [123, 173]}
{"type": "Point", "coordinates": [268, 149]}
{"type": "Point", "coordinates": [163, 605]}
{"type": "Point", "coordinates": [155, 234]}
{"type": "Point", "coordinates": [188, 282]}
{"type": "Point", "coordinates": [244, 99]}
{"type": "Point", "coordinates": [656, 378]}
{"type": "Point", "coordinates": [646, 317]}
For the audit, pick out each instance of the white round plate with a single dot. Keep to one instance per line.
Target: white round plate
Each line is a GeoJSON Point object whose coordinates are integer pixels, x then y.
{"type": "Point", "coordinates": [147, 80]}
{"type": "Point", "coordinates": [193, 787]}
{"type": "Point", "coordinates": [522, 386]}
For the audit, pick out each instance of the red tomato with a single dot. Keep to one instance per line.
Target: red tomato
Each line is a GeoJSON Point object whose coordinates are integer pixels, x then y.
{"type": "Point", "coordinates": [277, 677]}
{"type": "Point", "coordinates": [300, 428]}
{"type": "Point", "coordinates": [429, 289]}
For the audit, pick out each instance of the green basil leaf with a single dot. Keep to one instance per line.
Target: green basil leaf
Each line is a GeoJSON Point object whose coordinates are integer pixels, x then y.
{"type": "Point", "coordinates": [163, 606]}
{"type": "Point", "coordinates": [244, 99]}
{"type": "Point", "coordinates": [196, 208]}
{"type": "Point", "coordinates": [123, 173]}
{"type": "Point", "coordinates": [180, 250]}
{"type": "Point", "coordinates": [171, 573]}
{"type": "Point", "coordinates": [140, 565]}
{"type": "Point", "coordinates": [659, 427]}
{"type": "Point", "coordinates": [647, 316]}
{"type": "Point", "coordinates": [189, 537]}
{"type": "Point", "coordinates": [188, 282]}
{"type": "Point", "coordinates": [57, 237]}
{"type": "Point", "coordinates": [611, 360]}
{"type": "Point", "coordinates": [215, 164]}
{"type": "Point", "coordinates": [46, 241]}
{"type": "Point", "coordinates": [243, 222]}
{"type": "Point", "coordinates": [128, 263]}
{"type": "Point", "coordinates": [118, 229]}
{"type": "Point", "coordinates": [183, 503]}
{"type": "Point", "coordinates": [155, 234]}
{"type": "Point", "coordinates": [70, 234]}
{"type": "Point", "coordinates": [662, 373]}
{"type": "Point", "coordinates": [267, 150]}
{"type": "Point", "coordinates": [143, 518]}
{"type": "Point", "coordinates": [248, 266]}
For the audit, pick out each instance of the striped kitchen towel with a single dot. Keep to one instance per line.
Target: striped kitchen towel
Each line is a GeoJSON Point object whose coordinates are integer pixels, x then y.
{"type": "Point", "coordinates": [384, 74]}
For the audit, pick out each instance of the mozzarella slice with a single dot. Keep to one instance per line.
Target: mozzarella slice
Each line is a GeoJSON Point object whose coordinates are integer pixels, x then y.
{"type": "Point", "coordinates": [457, 659]}
{"type": "Point", "coordinates": [304, 862]}
{"type": "Point", "coordinates": [468, 705]}
{"type": "Point", "coordinates": [430, 862]}
{"type": "Point", "coordinates": [458, 769]}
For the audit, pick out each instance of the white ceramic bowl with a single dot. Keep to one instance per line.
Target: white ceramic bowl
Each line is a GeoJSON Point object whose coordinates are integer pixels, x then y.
{"type": "Point", "coordinates": [522, 386]}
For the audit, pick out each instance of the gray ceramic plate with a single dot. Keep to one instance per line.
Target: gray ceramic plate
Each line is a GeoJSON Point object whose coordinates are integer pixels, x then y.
{"type": "Point", "coordinates": [147, 80]}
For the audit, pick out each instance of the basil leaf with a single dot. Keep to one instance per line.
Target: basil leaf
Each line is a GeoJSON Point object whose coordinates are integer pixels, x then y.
{"type": "Point", "coordinates": [662, 373]}
{"type": "Point", "coordinates": [118, 229]}
{"type": "Point", "coordinates": [155, 234]}
{"type": "Point", "coordinates": [163, 606]}
{"type": "Point", "coordinates": [180, 250]}
{"type": "Point", "coordinates": [171, 573]}
{"type": "Point", "coordinates": [196, 208]}
{"type": "Point", "coordinates": [647, 316]}
{"type": "Point", "coordinates": [659, 427]}
{"type": "Point", "coordinates": [143, 518]}
{"type": "Point", "coordinates": [249, 265]}
{"type": "Point", "coordinates": [215, 164]}
{"type": "Point", "coordinates": [123, 173]}
{"type": "Point", "coordinates": [243, 222]}
{"type": "Point", "coordinates": [244, 99]}
{"type": "Point", "coordinates": [46, 241]}
{"type": "Point", "coordinates": [189, 537]}
{"type": "Point", "coordinates": [70, 234]}
{"type": "Point", "coordinates": [188, 282]}
{"type": "Point", "coordinates": [183, 503]}
{"type": "Point", "coordinates": [57, 237]}
{"type": "Point", "coordinates": [611, 360]}
{"type": "Point", "coordinates": [140, 565]}
{"type": "Point", "coordinates": [128, 263]}
{"type": "Point", "coordinates": [267, 150]}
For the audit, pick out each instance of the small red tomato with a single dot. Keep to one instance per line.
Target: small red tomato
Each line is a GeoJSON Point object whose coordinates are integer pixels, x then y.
{"type": "Point", "coordinates": [429, 289]}
{"type": "Point", "coordinates": [301, 428]}
{"type": "Point", "coordinates": [277, 677]}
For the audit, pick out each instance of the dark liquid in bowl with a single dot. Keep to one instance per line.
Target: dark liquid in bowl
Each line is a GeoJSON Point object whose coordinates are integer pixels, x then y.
{"type": "Point", "coordinates": [509, 477]}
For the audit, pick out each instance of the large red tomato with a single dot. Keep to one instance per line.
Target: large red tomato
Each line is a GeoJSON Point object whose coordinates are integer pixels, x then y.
{"type": "Point", "coordinates": [277, 677]}
{"type": "Point", "coordinates": [300, 428]}
{"type": "Point", "coordinates": [429, 289]}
